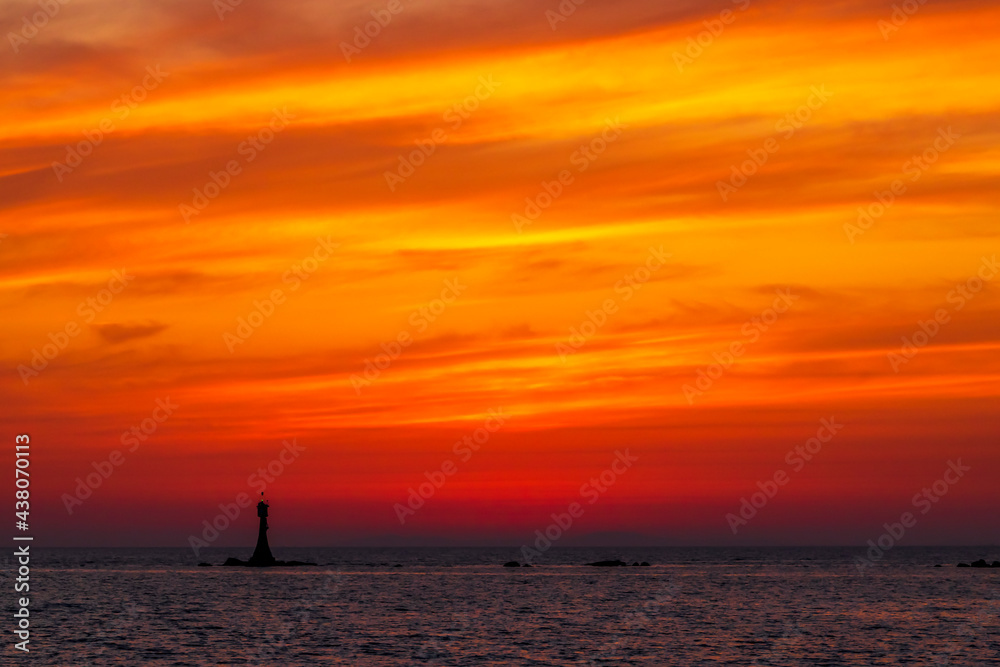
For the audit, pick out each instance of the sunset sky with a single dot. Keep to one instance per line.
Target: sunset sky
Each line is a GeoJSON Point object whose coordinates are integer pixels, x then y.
{"type": "Point", "coordinates": [483, 180]}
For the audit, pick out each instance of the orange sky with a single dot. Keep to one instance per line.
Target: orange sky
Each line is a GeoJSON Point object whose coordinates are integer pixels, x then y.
{"type": "Point", "coordinates": [242, 164]}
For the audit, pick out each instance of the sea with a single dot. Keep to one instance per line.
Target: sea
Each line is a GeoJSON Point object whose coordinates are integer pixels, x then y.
{"type": "Point", "coordinates": [455, 606]}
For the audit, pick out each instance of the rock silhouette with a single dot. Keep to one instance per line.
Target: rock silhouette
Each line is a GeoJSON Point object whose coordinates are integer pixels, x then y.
{"type": "Point", "coordinates": [236, 562]}
{"type": "Point", "coordinates": [617, 563]}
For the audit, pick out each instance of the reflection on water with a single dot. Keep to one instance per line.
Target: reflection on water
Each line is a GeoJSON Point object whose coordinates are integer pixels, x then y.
{"type": "Point", "coordinates": [459, 607]}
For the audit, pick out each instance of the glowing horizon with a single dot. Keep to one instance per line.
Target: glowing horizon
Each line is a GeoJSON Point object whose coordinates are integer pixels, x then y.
{"type": "Point", "coordinates": [576, 221]}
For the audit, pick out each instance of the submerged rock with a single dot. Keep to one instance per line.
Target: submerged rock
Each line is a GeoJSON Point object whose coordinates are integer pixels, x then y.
{"type": "Point", "coordinates": [204, 565]}
{"type": "Point", "coordinates": [512, 563]}
{"type": "Point", "coordinates": [608, 563]}
{"type": "Point", "coordinates": [644, 564]}
{"type": "Point", "coordinates": [963, 565]}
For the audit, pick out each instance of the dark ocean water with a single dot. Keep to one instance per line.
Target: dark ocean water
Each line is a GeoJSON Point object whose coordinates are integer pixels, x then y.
{"type": "Point", "coordinates": [795, 606]}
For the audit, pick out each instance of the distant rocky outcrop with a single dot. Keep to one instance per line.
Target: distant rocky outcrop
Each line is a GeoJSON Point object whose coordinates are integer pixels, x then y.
{"type": "Point", "coordinates": [512, 563]}
{"type": "Point", "coordinates": [981, 563]}
{"type": "Point", "coordinates": [617, 563]}
{"type": "Point", "coordinates": [236, 562]}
